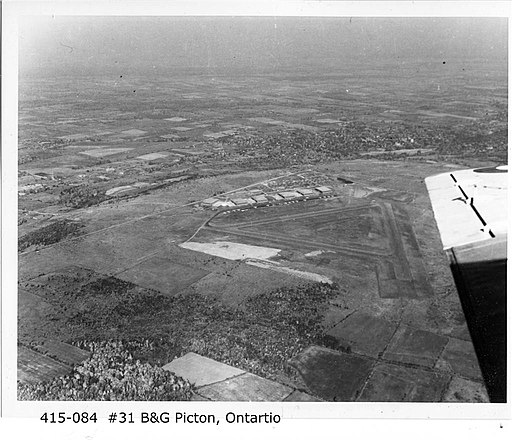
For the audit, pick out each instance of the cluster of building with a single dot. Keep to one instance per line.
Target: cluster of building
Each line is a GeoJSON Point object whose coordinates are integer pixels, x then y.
{"type": "Point", "coordinates": [256, 197]}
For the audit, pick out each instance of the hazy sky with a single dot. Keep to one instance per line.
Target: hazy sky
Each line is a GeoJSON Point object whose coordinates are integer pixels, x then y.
{"type": "Point", "coordinates": [109, 45]}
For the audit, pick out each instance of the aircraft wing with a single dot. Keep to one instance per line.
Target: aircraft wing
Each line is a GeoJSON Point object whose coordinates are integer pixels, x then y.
{"type": "Point", "coordinates": [470, 208]}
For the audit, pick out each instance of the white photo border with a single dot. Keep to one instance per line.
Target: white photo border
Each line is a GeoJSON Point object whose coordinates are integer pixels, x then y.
{"type": "Point", "coordinates": [12, 10]}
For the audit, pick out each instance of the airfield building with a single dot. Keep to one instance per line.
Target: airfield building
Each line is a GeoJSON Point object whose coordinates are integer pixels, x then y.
{"type": "Point", "coordinates": [243, 202]}
{"type": "Point", "coordinates": [209, 202]}
{"type": "Point", "coordinates": [324, 190]}
{"type": "Point", "coordinates": [260, 198]}
{"type": "Point", "coordinates": [290, 195]}
{"type": "Point", "coordinates": [306, 192]}
{"type": "Point", "coordinates": [275, 197]}
{"type": "Point", "coordinates": [222, 204]}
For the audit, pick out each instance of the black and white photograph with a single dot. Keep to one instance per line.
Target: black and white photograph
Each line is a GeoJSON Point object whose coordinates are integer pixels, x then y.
{"type": "Point", "coordinates": [241, 208]}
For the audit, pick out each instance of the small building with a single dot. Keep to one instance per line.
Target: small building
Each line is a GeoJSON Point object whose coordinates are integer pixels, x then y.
{"type": "Point", "coordinates": [243, 202]}
{"type": "Point", "coordinates": [275, 197]}
{"type": "Point", "coordinates": [209, 202]}
{"type": "Point", "coordinates": [306, 191]}
{"type": "Point", "coordinates": [222, 204]}
{"type": "Point", "coordinates": [260, 198]}
{"type": "Point", "coordinates": [289, 195]}
{"type": "Point", "coordinates": [324, 189]}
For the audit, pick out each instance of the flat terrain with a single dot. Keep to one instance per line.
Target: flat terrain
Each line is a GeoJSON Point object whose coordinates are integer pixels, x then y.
{"type": "Point", "coordinates": [345, 294]}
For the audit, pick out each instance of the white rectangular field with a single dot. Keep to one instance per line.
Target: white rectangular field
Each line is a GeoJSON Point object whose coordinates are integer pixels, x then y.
{"type": "Point", "coordinates": [133, 132]}
{"type": "Point", "coordinates": [153, 156]}
{"type": "Point", "coordinates": [105, 152]}
{"type": "Point", "coordinates": [328, 121]}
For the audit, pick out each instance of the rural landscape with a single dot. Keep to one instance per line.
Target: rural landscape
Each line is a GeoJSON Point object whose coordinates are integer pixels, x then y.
{"type": "Point", "coordinates": [274, 222]}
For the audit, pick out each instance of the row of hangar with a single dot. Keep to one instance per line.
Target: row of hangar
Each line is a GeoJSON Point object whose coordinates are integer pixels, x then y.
{"type": "Point", "coordinates": [262, 199]}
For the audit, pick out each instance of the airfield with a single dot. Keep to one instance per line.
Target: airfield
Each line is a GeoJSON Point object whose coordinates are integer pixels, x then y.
{"type": "Point", "coordinates": [169, 220]}
{"type": "Point", "coordinates": [395, 322]}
